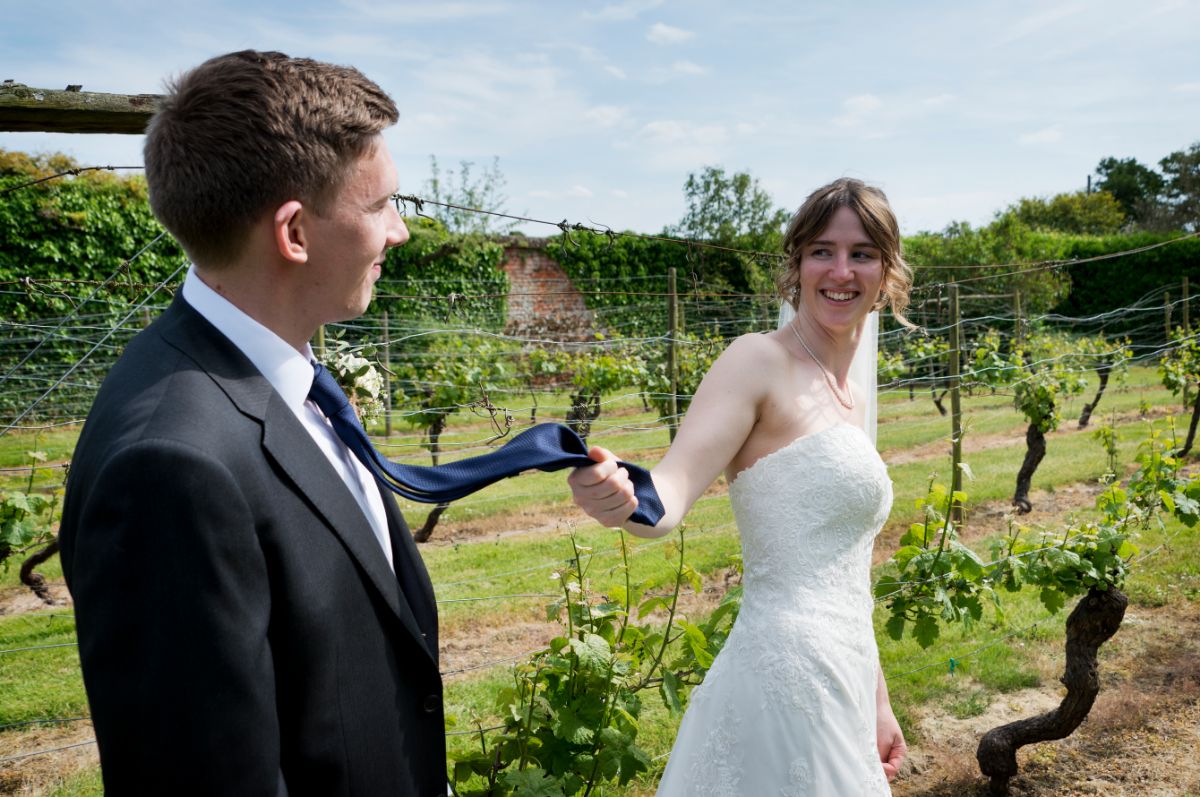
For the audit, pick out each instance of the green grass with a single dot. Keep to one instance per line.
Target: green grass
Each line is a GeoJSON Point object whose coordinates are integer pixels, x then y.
{"type": "Point", "coordinates": [42, 683]}
{"type": "Point", "coordinates": [532, 511]}
{"type": "Point", "coordinates": [81, 784]}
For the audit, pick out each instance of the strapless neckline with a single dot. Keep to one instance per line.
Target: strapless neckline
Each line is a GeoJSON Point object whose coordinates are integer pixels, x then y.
{"type": "Point", "coordinates": [795, 443]}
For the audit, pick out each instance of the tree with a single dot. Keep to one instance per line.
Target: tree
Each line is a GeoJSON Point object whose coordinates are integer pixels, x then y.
{"type": "Point", "coordinates": [482, 192]}
{"type": "Point", "coordinates": [730, 209]}
{"type": "Point", "coordinates": [963, 252]}
{"type": "Point", "coordinates": [1135, 187]}
{"type": "Point", "coordinates": [1182, 190]}
{"type": "Point", "coordinates": [1080, 213]}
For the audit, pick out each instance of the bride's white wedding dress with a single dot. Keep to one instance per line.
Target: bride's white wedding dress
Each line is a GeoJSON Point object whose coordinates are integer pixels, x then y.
{"type": "Point", "coordinates": [788, 707]}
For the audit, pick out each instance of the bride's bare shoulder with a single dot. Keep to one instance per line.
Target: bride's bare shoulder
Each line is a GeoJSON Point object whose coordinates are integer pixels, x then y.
{"type": "Point", "coordinates": [757, 348]}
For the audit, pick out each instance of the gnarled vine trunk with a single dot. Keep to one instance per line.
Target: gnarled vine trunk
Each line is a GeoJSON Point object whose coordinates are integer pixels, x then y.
{"type": "Point", "coordinates": [1035, 451]}
{"type": "Point", "coordinates": [36, 581]}
{"type": "Point", "coordinates": [585, 408]}
{"type": "Point", "coordinates": [431, 520]}
{"type": "Point", "coordinates": [1085, 415]}
{"type": "Point", "coordinates": [1093, 621]}
{"type": "Point", "coordinates": [1191, 437]}
{"type": "Point", "coordinates": [937, 398]}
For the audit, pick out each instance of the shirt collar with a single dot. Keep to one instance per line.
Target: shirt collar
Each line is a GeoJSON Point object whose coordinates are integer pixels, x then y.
{"type": "Point", "coordinates": [287, 370]}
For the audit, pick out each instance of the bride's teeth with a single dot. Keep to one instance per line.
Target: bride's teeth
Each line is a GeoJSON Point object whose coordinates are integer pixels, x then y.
{"type": "Point", "coordinates": [840, 297]}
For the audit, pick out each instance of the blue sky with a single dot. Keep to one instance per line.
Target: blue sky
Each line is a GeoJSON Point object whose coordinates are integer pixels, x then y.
{"type": "Point", "coordinates": [598, 111]}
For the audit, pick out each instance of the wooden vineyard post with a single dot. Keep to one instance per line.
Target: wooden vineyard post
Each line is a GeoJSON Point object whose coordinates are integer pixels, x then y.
{"type": "Point", "coordinates": [672, 353]}
{"type": "Point", "coordinates": [955, 404]}
{"type": "Point", "coordinates": [1167, 315]}
{"type": "Point", "coordinates": [387, 377]}
{"type": "Point", "coordinates": [1018, 322]}
{"type": "Point", "coordinates": [1187, 330]}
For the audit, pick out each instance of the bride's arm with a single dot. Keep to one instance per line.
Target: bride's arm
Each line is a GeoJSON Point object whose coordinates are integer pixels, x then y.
{"type": "Point", "coordinates": [888, 737]}
{"type": "Point", "coordinates": [717, 423]}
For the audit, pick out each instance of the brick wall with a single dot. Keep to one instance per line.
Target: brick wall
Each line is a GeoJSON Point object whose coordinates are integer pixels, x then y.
{"type": "Point", "coordinates": [541, 298]}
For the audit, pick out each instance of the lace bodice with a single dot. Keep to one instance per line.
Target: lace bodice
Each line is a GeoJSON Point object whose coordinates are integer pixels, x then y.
{"type": "Point", "coordinates": [788, 707]}
{"type": "Point", "coordinates": [808, 515]}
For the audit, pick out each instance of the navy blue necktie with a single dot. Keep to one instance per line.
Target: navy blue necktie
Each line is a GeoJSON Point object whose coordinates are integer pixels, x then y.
{"type": "Point", "coordinates": [546, 447]}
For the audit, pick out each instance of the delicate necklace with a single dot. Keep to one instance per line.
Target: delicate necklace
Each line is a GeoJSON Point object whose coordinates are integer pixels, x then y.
{"type": "Point", "coordinates": [848, 401]}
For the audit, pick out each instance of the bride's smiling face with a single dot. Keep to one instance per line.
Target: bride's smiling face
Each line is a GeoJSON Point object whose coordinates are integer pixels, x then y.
{"type": "Point", "coordinates": [841, 272]}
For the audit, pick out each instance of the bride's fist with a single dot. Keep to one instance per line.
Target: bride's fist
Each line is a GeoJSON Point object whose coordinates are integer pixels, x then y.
{"type": "Point", "coordinates": [603, 490]}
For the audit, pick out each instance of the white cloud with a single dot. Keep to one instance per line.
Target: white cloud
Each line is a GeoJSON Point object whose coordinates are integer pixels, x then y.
{"type": "Point", "coordinates": [574, 192]}
{"type": "Point", "coordinates": [615, 71]}
{"type": "Point", "coordinates": [607, 115]}
{"type": "Point", "coordinates": [746, 128]}
{"type": "Point", "coordinates": [670, 131]}
{"type": "Point", "coordinates": [857, 109]}
{"type": "Point", "coordinates": [938, 100]}
{"type": "Point", "coordinates": [1047, 135]}
{"type": "Point", "coordinates": [623, 11]}
{"type": "Point", "coordinates": [429, 121]}
{"type": "Point", "coordinates": [487, 96]}
{"type": "Point", "coordinates": [1186, 88]}
{"type": "Point", "coordinates": [1027, 26]}
{"type": "Point", "coordinates": [665, 34]}
{"type": "Point", "coordinates": [688, 68]}
{"type": "Point", "coordinates": [672, 144]}
{"type": "Point", "coordinates": [619, 194]}
{"type": "Point", "coordinates": [369, 10]}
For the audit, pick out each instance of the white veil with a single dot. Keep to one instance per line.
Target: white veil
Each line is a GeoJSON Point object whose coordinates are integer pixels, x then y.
{"type": "Point", "coordinates": [864, 369]}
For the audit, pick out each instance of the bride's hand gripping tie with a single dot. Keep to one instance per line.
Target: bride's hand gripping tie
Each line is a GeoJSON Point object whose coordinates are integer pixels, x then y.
{"type": "Point", "coordinates": [604, 490]}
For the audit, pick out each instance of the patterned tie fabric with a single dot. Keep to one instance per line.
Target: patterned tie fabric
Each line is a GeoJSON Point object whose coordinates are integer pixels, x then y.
{"type": "Point", "coordinates": [545, 447]}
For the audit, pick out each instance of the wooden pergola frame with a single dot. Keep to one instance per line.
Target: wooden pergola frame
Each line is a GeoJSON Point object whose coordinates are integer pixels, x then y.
{"type": "Point", "coordinates": [71, 110]}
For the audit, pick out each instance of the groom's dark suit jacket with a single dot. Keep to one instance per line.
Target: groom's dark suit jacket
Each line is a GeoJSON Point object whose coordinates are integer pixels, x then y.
{"type": "Point", "coordinates": [239, 628]}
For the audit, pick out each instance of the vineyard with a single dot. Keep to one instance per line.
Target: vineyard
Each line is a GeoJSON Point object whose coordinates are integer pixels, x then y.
{"type": "Point", "coordinates": [1039, 456]}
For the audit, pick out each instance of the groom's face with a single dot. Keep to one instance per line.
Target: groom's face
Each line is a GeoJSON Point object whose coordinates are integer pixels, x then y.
{"type": "Point", "coordinates": [349, 241]}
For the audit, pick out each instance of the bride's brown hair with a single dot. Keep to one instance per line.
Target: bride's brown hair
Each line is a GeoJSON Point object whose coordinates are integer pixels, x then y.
{"type": "Point", "coordinates": [878, 221]}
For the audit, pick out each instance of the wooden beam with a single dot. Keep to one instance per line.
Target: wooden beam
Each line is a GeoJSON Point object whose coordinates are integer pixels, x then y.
{"type": "Point", "coordinates": [24, 109]}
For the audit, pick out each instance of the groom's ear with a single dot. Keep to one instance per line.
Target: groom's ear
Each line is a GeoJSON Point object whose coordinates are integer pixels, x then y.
{"type": "Point", "coordinates": [289, 232]}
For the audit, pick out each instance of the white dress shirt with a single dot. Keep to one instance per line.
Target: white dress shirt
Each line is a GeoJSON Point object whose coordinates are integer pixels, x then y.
{"type": "Point", "coordinates": [291, 374]}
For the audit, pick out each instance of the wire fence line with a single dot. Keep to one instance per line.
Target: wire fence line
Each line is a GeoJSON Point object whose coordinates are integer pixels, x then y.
{"type": "Point", "coordinates": [58, 329]}
{"type": "Point", "coordinates": [32, 381]}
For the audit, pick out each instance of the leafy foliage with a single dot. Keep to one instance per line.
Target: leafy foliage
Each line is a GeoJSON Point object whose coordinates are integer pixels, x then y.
{"type": "Point", "coordinates": [940, 581]}
{"type": "Point", "coordinates": [615, 365]}
{"type": "Point", "coordinates": [1135, 187]}
{"type": "Point", "coordinates": [1179, 365]}
{"type": "Point", "coordinates": [1181, 192]}
{"type": "Point", "coordinates": [696, 355]}
{"type": "Point", "coordinates": [27, 516]}
{"type": "Point", "coordinates": [464, 269]}
{"type": "Point", "coordinates": [730, 209]}
{"type": "Point", "coordinates": [1106, 285]}
{"type": "Point", "coordinates": [641, 265]}
{"type": "Point", "coordinates": [75, 230]}
{"type": "Point", "coordinates": [485, 192]}
{"type": "Point", "coordinates": [571, 717]}
{"type": "Point", "coordinates": [453, 373]}
{"type": "Point", "coordinates": [962, 251]}
{"type": "Point", "coordinates": [1080, 213]}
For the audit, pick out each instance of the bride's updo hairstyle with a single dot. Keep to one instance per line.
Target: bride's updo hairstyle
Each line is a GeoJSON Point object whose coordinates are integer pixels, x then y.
{"type": "Point", "coordinates": [879, 222]}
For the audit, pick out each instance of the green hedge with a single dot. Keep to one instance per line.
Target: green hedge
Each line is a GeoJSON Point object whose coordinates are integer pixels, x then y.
{"type": "Point", "coordinates": [624, 279]}
{"type": "Point", "coordinates": [1112, 284]}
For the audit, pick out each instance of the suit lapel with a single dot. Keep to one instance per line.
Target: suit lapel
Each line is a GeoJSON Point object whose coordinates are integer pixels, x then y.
{"type": "Point", "coordinates": [411, 572]}
{"type": "Point", "coordinates": [286, 441]}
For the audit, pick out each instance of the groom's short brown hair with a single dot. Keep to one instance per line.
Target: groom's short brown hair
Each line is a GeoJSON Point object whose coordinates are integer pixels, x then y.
{"type": "Point", "coordinates": [245, 132]}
